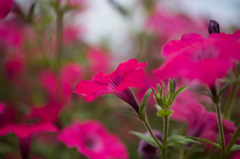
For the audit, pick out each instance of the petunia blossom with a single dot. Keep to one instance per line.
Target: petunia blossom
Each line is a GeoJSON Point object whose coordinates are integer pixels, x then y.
{"type": "Point", "coordinates": [93, 140]}
{"type": "Point", "coordinates": [59, 86]}
{"type": "Point", "coordinates": [24, 133]}
{"type": "Point", "coordinates": [5, 6]}
{"type": "Point", "coordinates": [201, 123]}
{"type": "Point", "coordinates": [128, 74]}
{"type": "Point", "coordinates": [195, 57]}
{"type": "Point", "coordinates": [168, 25]}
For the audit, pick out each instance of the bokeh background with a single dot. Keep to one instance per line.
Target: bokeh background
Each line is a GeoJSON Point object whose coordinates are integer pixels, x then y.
{"type": "Point", "coordinates": [45, 52]}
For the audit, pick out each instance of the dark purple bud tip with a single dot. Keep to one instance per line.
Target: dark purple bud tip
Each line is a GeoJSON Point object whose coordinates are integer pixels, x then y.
{"type": "Point", "coordinates": [147, 151]}
{"type": "Point", "coordinates": [213, 27]}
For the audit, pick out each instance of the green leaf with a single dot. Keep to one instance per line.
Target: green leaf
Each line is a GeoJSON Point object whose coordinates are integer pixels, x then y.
{"type": "Point", "coordinates": [148, 139]}
{"type": "Point", "coordinates": [205, 140]}
{"type": "Point", "coordinates": [158, 88]}
{"type": "Point", "coordinates": [180, 90]}
{"type": "Point", "coordinates": [175, 94]}
{"type": "Point", "coordinates": [178, 139]}
{"type": "Point", "coordinates": [154, 91]}
{"type": "Point", "coordinates": [146, 96]}
{"type": "Point", "coordinates": [127, 112]}
{"type": "Point", "coordinates": [161, 90]}
{"type": "Point", "coordinates": [171, 89]}
{"type": "Point", "coordinates": [164, 85]}
{"type": "Point", "coordinates": [164, 113]}
{"type": "Point", "coordinates": [235, 147]}
{"type": "Point", "coordinates": [158, 107]}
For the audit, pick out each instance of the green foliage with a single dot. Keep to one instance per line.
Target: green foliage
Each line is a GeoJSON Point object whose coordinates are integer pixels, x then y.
{"type": "Point", "coordinates": [164, 113]}
{"type": "Point", "coordinates": [178, 139]}
{"type": "Point", "coordinates": [205, 140]}
{"type": "Point", "coordinates": [148, 139]}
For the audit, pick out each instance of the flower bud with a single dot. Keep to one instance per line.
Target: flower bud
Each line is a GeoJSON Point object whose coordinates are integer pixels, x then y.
{"type": "Point", "coordinates": [213, 27]}
{"type": "Point", "coordinates": [147, 151]}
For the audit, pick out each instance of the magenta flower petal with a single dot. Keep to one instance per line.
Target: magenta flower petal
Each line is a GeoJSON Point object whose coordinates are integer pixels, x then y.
{"type": "Point", "coordinates": [197, 58]}
{"type": "Point", "coordinates": [176, 45]}
{"type": "Point", "coordinates": [128, 74]}
{"type": "Point", "coordinates": [24, 130]}
{"type": "Point", "coordinates": [5, 6]}
{"type": "Point", "coordinates": [201, 123]}
{"type": "Point", "coordinates": [93, 140]}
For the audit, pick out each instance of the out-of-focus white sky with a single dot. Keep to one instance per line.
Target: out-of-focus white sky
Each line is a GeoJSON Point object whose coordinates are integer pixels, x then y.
{"type": "Point", "coordinates": [102, 21]}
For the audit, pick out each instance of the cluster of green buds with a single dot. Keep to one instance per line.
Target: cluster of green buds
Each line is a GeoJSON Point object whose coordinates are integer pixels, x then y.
{"type": "Point", "coordinates": [165, 96]}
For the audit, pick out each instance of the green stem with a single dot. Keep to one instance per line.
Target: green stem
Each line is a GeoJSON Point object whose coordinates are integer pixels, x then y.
{"type": "Point", "coordinates": [233, 140]}
{"type": "Point", "coordinates": [164, 150]}
{"type": "Point", "coordinates": [220, 126]}
{"type": "Point", "coordinates": [153, 136]}
{"type": "Point", "coordinates": [228, 110]}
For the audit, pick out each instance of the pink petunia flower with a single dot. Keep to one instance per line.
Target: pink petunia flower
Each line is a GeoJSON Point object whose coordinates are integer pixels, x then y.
{"type": "Point", "coordinates": [52, 109]}
{"type": "Point", "coordinates": [201, 123]}
{"type": "Point", "coordinates": [98, 60]}
{"type": "Point", "coordinates": [93, 140]}
{"type": "Point", "coordinates": [201, 58]}
{"type": "Point", "coordinates": [128, 74]}
{"type": "Point", "coordinates": [59, 87]}
{"type": "Point", "coordinates": [5, 6]}
{"type": "Point", "coordinates": [169, 25]}
{"type": "Point", "coordinates": [25, 132]}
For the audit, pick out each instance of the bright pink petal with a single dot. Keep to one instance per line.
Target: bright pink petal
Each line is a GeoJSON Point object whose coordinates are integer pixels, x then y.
{"type": "Point", "coordinates": [90, 89]}
{"type": "Point", "coordinates": [129, 66]}
{"type": "Point", "coordinates": [5, 6]}
{"type": "Point", "coordinates": [24, 130]}
{"type": "Point", "coordinates": [176, 45]}
{"type": "Point", "coordinates": [71, 73]}
{"type": "Point", "coordinates": [132, 79]}
{"type": "Point", "coordinates": [52, 110]}
{"type": "Point", "coordinates": [204, 59]}
{"type": "Point", "coordinates": [128, 74]}
{"type": "Point", "coordinates": [93, 140]}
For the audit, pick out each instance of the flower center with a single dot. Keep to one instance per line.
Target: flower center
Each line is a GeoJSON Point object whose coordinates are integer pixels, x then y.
{"type": "Point", "coordinates": [93, 144]}
{"type": "Point", "coordinates": [204, 53]}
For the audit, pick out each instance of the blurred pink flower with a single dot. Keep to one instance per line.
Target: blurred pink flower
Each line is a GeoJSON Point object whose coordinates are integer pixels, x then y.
{"type": "Point", "coordinates": [25, 130]}
{"type": "Point", "coordinates": [59, 86]}
{"type": "Point", "coordinates": [71, 73]}
{"type": "Point", "coordinates": [7, 116]}
{"type": "Point", "coordinates": [98, 61]}
{"type": "Point", "coordinates": [93, 140]}
{"type": "Point", "coordinates": [1, 107]}
{"type": "Point", "coordinates": [128, 74]}
{"type": "Point", "coordinates": [201, 123]}
{"type": "Point", "coordinates": [14, 66]}
{"type": "Point", "coordinates": [5, 6]}
{"type": "Point", "coordinates": [169, 25]}
{"type": "Point", "coordinates": [52, 109]}
{"type": "Point", "coordinates": [193, 57]}
{"type": "Point", "coordinates": [10, 34]}
{"type": "Point", "coordinates": [24, 133]}
{"type": "Point", "coordinates": [71, 34]}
